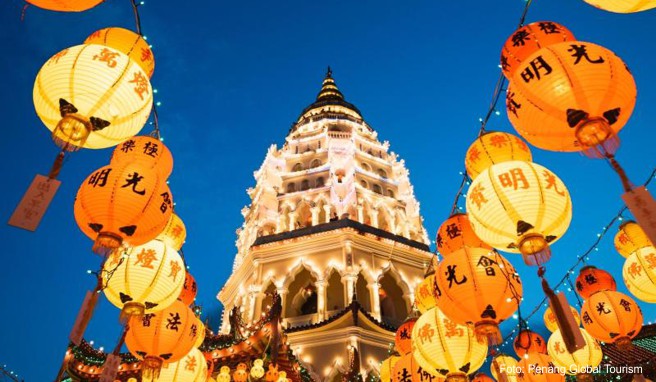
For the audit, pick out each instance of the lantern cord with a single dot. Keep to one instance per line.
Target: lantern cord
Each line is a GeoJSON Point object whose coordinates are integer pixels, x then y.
{"type": "Point", "coordinates": [9, 374]}
{"type": "Point", "coordinates": [137, 18]}
{"type": "Point", "coordinates": [582, 259]}
{"type": "Point", "coordinates": [465, 179]}
{"type": "Point", "coordinates": [579, 303]}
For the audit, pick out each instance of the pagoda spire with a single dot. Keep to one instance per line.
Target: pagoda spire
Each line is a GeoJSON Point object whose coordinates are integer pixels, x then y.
{"type": "Point", "coordinates": [329, 90]}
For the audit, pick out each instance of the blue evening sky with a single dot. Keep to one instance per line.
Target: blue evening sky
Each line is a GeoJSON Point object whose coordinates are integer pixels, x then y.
{"type": "Point", "coordinates": [233, 76]}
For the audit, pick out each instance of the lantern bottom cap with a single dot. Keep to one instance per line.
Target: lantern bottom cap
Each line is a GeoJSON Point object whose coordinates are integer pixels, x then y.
{"type": "Point", "coordinates": [106, 242]}
{"type": "Point", "coordinates": [597, 138]}
{"type": "Point", "coordinates": [132, 309]}
{"type": "Point", "coordinates": [71, 132]}
{"type": "Point", "coordinates": [150, 367]}
{"type": "Point", "coordinates": [534, 249]}
{"type": "Point", "coordinates": [457, 377]}
{"type": "Point", "coordinates": [488, 331]}
{"type": "Point", "coordinates": [624, 343]}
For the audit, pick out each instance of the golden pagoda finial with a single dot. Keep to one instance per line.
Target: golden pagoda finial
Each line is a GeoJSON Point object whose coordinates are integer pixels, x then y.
{"type": "Point", "coordinates": [329, 72]}
{"type": "Point", "coordinates": [329, 88]}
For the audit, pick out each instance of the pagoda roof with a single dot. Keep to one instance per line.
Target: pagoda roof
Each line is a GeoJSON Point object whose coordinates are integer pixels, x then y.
{"type": "Point", "coordinates": [643, 354]}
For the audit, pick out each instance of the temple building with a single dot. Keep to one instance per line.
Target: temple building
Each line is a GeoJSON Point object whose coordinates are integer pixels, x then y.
{"type": "Point", "coordinates": [334, 229]}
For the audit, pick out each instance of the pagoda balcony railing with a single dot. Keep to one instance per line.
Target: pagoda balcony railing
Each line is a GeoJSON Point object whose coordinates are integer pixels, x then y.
{"type": "Point", "coordinates": [339, 134]}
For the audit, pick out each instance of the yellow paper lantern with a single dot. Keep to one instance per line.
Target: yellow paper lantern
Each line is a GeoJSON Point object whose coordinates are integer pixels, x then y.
{"type": "Point", "coordinates": [630, 238]}
{"type": "Point", "coordinates": [612, 317]}
{"type": "Point", "coordinates": [480, 287]}
{"type": "Point", "coordinates": [495, 147]}
{"type": "Point", "coordinates": [623, 6]}
{"type": "Point", "coordinates": [550, 318]}
{"type": "Point", "coordinates": [387, 366]}
{"type": "Point", "coordinates": [127, 42]}
{"type": "Point", "coordinates": [579, 363]}
{"type": "Point", "coordinates": [639, 274]}
{"type": "Point", "coordinates": [92, 96]}
{"type": "Point", "coordinates": [191, 368]}
{"type": "Point", "coordinates": [456, 232]}
{"type": "Point", "coordinates": [408, 369]}
{"type": "Point", "coordinates": [519, 207]}
{"type": "Point", "coordinates": [241, 374]}
{"type": "Point", "coordinates": [149, 151]}
{"type": "Point", "coordinates": [538, 367]}
{"type": "Point", "coordinates": [175, 232]}
{"type": "Point", "coordinates": [528, 341]}
{"type": "Point", "coordinates": [65, 5]}
{"type": "Point", "coordinates": [504, 368]}
{"type": "Point", "coordinates": [426, 293]}
{"type": "Point", "coordinates": [571, 96]}
{"type": "Point", "coordinates": [145, 278]}
{"type": "Point", "coordinates": [447, 346]}
{"type": "Point", "coordinates": [123, 203]}
{"type": "Point", "coordinates": [201, 334]}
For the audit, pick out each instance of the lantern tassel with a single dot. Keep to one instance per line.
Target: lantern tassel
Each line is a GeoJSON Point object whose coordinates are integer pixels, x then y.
{"type": "Point", "coordinates": [568, 328]}
{"type": "Point", "coordinates": [488, 330]}
{"type": "Point", "coordinates": [624, 344]}
{"type": "Point", "coordinates": [150, 368]}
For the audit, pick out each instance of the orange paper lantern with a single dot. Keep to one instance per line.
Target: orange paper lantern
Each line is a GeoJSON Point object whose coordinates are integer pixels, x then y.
{"type": "Point", "coordinates": [403, 336]}
{"type": "Point", "coordinates": [630, 238]}
{"type": "Point", "coordinates": [527, 40]}
{"type": "Point", "coordinates": [538, 367]}
{"type": "Point", "coordinates": [571, 96]}
{"type": "Point", "coordinates": [478, 286]}
{"type": "Point", "coordinates": [149, 151]}
{"type": "Point", "coordinates": [612, 317]}
{"type": "Point", "coordinates": [456, 232]}
{"type": "Point", "coordinates": [127, 42]}
{"type": "Point", "coordinates": [189, 290]}
{"type": "Point", "coordinates": [592, 280]}
{"type": "Point", "coordinates": [241, 374]}
{"type": "Point", "coordinates": [123, 203]}
{"type": "Point", "coordinates": [65, 5]}
{"type": "Point", "coordinates": [494, 147]}
{"type": "Point", "coordinates": [162, 337]}
{"type": "Point", "coordinates": [482, 377]}
{"type": "Point", "coordinates": [528, 341]}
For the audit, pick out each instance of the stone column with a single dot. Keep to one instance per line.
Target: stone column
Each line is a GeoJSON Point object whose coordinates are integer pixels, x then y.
{"type": "Point", "coordinates": [292, 221]}
{"type": "Point", "coordinates": [360, 214]}
{"type": "Point", "coordinates": [349, 281]}
{"type": "Point", "coordinates": [374, 217]}
{"type": "Point", "coordinates": [326, 210]}
{"type": "Point", "coordinates": [315, 215]}
{"type": "Point", "coordinates": [281, 223]}
{"type": "Point", "coordinates": [282, 292]}
{"type": "Point", "coordinates": [321, 298]}
{"type": "Point", "coordinates": [375, 299]}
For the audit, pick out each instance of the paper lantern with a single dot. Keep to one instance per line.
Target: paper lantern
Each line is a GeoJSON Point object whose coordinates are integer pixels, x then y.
{"type": "Point", "coordinates": [592, 280]}
{"type": "Point", "coordinates": [123, 203]}
{"type": "Point", "coordinates": [519, 207]}
{"type": "Point", "coordinates": [538, 367]}
{"type": "Point", "coordinates": [623, 6]}
{"type": "Point", "coordinates": [577, 363]}
{"type": "Point", "coordinates": [191, 368]}
{"type": "Point", "coordinates": [387, 366]}
{"type": "Point", "coordinates": [450, 348]}
{"type": "Point", "coordinates": [630, 238]}
{"type": "Point", "coordinates": [482, 377]}
{"type": "Point", "coordinates": [612, 317]}
{"type": "Point", "coordinates": [495, 147]}
{"type": "Point", "coordinates": [480, 287]}
{"type": "Point", "coordinates": [175, 232]}
{"type": "Point", "coordinates": [224, 374]}
{"type": "Point", "coordinates": [407, 369]}
{"type": "Point", "coordinates": [639, 274]}
{"type": "Point", "coordinates": [456, 232]}
{"type": "Point", "coordinates": [145, 278]}
{"type": "Point", "coordinates": [257, 370]}
{"type": "Point", "coordinates": [550, 318]}
{"type": "Point", "coordinates": [402, 338]}
{"type": "Point", "coordinates": [426, 293]}
{"type": "Point", "coordinates": [201, 334]}
{"type": "Point", "coordinates": [149, 151]}
{"type": "Point", "coordinates": [162, 337]}
{"type": "Point", "coordinates": [92, 96]}
{"type": "Point", "coordinates": [527, 40]}
{"type": "Point", "coordinates": [65, 5]}
{"type": "Point", "coordinates": [241, 374]}
{"type": "Point", "coordinates": [528, 341]}
{"type": "Point", "coordinates": [128, 43]}
{"type": "Point", "coordinates": [272, 374]}
{"type": "Point", "coordinates": [189, 290]}
{"type": "Point", "coordinates": [504, 368]}
{"type": "Point", "coordinates": [571, 96]}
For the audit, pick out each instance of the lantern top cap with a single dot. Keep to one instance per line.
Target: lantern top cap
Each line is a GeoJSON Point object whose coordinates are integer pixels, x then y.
{"type": "Point", "coordinates": [624, 223]}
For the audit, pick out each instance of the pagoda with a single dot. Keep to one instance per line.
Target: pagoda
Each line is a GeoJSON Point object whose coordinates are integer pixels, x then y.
{"type": "Point", "coordinates": [334, 229]}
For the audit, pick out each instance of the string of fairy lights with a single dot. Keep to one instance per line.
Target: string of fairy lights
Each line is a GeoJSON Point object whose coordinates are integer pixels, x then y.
{"type": "Point", "coordinates": [6, 373]}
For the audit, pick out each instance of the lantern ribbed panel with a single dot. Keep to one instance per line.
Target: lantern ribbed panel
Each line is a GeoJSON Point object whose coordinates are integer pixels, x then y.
{"type": "Point", "coordinates": [495, 147]}
{"type": "Point", "coordinates": [175, 232]}
{"type": "Point", "coordinates": [623, 6]}
{"type": "Point", "coordinates": [589, 356]}
{"type": "Point", "coordinates": [110, 87]}
{"type": "Point", "coordinates": [151, 274]}
{"type": "Point", "coordinates": [446, 345]}
{"type": "Point", "coordinates": [549, 105]}
{"type": "Point", "coordinates": [539, 367]}
{"type": "Point", "coordinates": [529, 39]}
{"type": "Point", "coordinates": [65, 5]}
{"type": "Point", "coordinates": [609, 316]}
{"type": "Point", "coordinates": [456, 232]}
{"type": "Point", "coordinates": [504, 365]}
{"type": "Point", "coordinates": [386, 368]}
{"type": "Point", "coordinates": [550, 318]}
{"type": "Point", "coordinates": [108, 205]}
{"type": "Point", "coordinates": [201, 334]}
{"type": "Point", "coordinates": [425, 294]}
{"type": "Point", "coordinates": [128, 43]}
{"type": "Point", "coordinates": [630, 238]}
{"type": "Point", "coordinates": [639, 274]}
{"type": "Point", "coordinates": [402, 337]}
{"type": "Point", "coordinates": [592, 280]}
{"type": "Point", "coordinates": [510, 192]}
{"type": "Point", "coordinates": [189, 290]}
{"type": "Point", "coordinates": [168, 334]}
{"type": "Point", "coordinates": [476, 284]}
{"type": "Point", "coordinates": [528, 341]}
{"type": "Point", "coordinates": [408, 369]}
{"type": "Point", "coordinates": [147, 150]}
{"type": "Point", "coordinates": [191, 368]}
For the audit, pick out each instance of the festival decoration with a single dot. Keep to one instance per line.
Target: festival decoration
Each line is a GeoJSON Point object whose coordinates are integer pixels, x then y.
{"type": "Point", "coordinates": [630, 238]}
{"type": "Point", "coordinates": [128, 43]}
{"type": "Point", "coordinates": [592, 280]}
{"type": "Point", "coordinates": [408, 369]}
{"type": "Point", "coordinates": [224, 374]}
{"type": "Point", "coordinates": [426, 292]}
{"type": "Point", "coordinates": [623, 6]}
{"type": "Point", "coordinates": [575, 363]}
{"type": "Point", "coordinates": [612, 317]}
{"type": "Point", "coordinates": [149, 151]}
{"type": "Point", "coordinates": [528, 341]}
{"type": "Point", "coordinates": [189, 290]}
{"type": "Point", "coordinates": [482, 377]}
{"type": "Point", "coordinates": [92, 96]}
{"type": "Point", "coordinates": [550, 318]}
{"type": "Point", "coordinates": [387, 366]}
{"type": "Point", "coordinates": [639, 274]}
{"type": "Point", "coordinates": [538, 367]}
{"type": "Point", "coordinates": [191, 368]}
{"type": "Point", "coordinates": [495, 147]}
{"type": "Point", "coordinates": [257, 370]}
{"type": "Point", "coordinates": [65, 5]}
{"type": "Point", "coordinates": [456, 232]}
{"type": "Point", "coordinates": [403, 335]}
{"type": "Point", "coordinates": [504, 368]}
{"type": "Point", "coordinates": [175, 232]}
{"type": "Point", "coordinates": [241, 374]}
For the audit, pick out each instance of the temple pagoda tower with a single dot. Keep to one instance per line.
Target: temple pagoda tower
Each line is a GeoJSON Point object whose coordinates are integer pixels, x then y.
{"type": "Point", "coordinates": [333, 228]}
